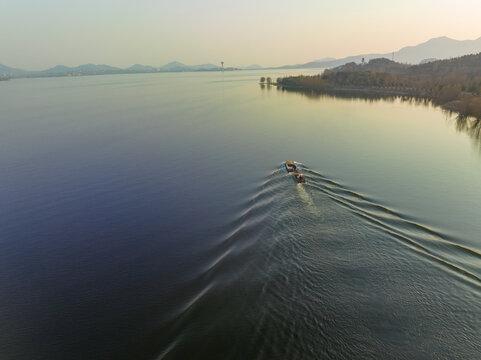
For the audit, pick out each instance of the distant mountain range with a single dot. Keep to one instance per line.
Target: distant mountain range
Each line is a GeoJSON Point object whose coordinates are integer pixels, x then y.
{"type": "Point", "coordinates": [92, 69]}
{"type": "Point", "coordinates": [435, 49]}
{"type": "Point", "coordinates": [6, 70]}
{"type": "Point", "coordinates": [252, 67]}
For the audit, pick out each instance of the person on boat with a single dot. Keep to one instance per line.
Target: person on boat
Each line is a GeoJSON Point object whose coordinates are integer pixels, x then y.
{"type": "Point", "coordinates": [300, 178]}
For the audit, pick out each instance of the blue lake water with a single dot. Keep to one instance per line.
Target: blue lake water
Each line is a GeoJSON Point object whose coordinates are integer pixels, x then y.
{"type": "Point", "coordinates": [149, 217]}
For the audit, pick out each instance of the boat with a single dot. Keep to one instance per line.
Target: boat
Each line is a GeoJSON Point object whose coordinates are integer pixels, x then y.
{"type": "Point", "coordinates": [291, 168]}
{"type": "Point", "coordinates": [299, 178]}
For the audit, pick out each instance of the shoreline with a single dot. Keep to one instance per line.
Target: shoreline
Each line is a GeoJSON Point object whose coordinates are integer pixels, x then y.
{"type": "Point", "coordinates": [459, 106]}
{"type": "Point", "coordinates": [78, 74]}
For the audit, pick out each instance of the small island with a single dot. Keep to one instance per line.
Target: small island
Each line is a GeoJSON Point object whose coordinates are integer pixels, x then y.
{"type": "Point", "coordinates": [453, 84]}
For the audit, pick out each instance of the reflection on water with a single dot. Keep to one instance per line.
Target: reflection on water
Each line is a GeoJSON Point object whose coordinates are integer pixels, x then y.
{"type": "Point", "coordinates": [367, 96]}
{"type": "Point", "coordinates": [466, 124]}
{"type": "Point", "coordinates": [147, 216]}
{"type": "Point", "coordinates": [469, 125]}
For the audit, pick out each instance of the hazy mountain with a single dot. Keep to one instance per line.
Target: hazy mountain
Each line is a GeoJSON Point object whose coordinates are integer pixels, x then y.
{"type": "Point", "coordinates": [58, 69]}
{"type": "Point", "coordinates": [6, 70]}
{"type": "Point", "coordinates": [325, 59]}
{"type": "Point", "coordinates": [92, 69]}
{"type": "Point", "coordinates": [437, 48]}
{"type": "Point", "coordinates": [141, 68]}
{"type": "Point", "coordinates": [173, 66]}
{"type": "Point", "coordinates": [252, 67]}
{"type": "Point", "coordinates": [177, 66]}
{"type": "Point", "coordinates": [96, 68]}
{"type": "Point", "coordinates": [204, 67]}
{"type": "Point", "coordinates": [86, 68]}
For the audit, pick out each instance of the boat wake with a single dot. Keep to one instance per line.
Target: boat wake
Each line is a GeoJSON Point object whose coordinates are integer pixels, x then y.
{"type": "Point", "coordinates": [301, 268]}
{"type": "Point", "coordinates": [428, 242]}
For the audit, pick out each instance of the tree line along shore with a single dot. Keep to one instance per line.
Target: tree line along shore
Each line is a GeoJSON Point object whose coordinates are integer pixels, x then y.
{"type": "Point", "coordinates": [453, 84]}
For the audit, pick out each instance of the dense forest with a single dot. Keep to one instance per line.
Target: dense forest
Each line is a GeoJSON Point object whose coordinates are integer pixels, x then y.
{"type": "Point", "coordinates": [455, 84]}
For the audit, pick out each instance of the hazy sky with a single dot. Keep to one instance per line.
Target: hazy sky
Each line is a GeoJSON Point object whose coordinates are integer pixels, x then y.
{"type": "Point", "coordinates": [36, 34]}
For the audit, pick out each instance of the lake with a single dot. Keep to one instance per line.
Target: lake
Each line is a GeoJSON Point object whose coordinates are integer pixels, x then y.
{"type": "Point", "coordinates": [149, 216]}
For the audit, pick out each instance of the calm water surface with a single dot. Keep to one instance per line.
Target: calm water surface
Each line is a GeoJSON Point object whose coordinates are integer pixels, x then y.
{"type": "Point", "coordinates": [149, 217]}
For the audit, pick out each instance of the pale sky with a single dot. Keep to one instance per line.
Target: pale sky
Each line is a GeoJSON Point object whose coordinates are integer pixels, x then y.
{"type": "Point", "coordinates": [37, 34]}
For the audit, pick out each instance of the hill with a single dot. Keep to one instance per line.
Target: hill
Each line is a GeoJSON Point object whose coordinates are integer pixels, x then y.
{"type": "Point", "coordinates": [177, 66]}
{"type": "Point", "coordinates": [82, 69]}
{"type": "Point", "coordinates": [93, 69]}
{"type": "Point", "coordinates": [468, 65]}
{"type": "Point", "coordinates": [454, 84]}
{"type": "Point", "coordinates": [464, 66]}
{"type": "Point", "coordinates": [141, 68]}
{"type": "Point", "coordinates": [9, 71]}
{"type": "Point", "coordinates": [437, 48]}
{"type": "Point", "coordinates": [252, 67]}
